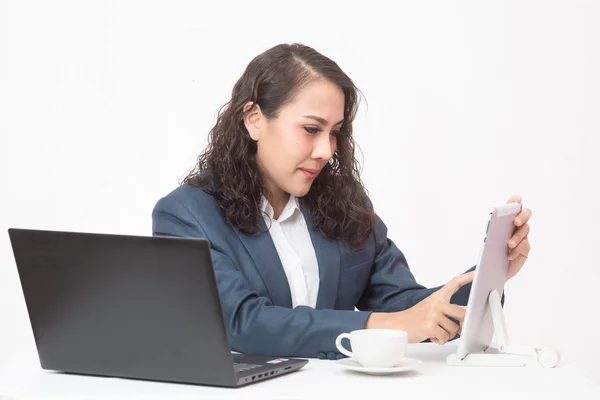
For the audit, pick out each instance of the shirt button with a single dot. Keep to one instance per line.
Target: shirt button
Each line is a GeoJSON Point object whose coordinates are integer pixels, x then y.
{"type": "Point", "coordinates": [322, 356]}
{"type": "Point", "coordinates": [340, 356]}
{"type": "Point", "coordinates": [331, 355]}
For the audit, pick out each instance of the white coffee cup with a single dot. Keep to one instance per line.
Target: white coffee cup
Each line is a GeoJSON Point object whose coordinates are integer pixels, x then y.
{"type": "Point", "coordinates": [383, 348]}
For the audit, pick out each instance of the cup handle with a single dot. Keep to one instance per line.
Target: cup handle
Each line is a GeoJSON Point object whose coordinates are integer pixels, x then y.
{"type": "Point", "coordinates": [342, 349]}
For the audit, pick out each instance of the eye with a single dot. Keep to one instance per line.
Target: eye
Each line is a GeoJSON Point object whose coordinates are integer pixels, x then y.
{"type": "Point", "coordinates": [336, 132]}
{"type": "Point", "coordinates": [312, 130]}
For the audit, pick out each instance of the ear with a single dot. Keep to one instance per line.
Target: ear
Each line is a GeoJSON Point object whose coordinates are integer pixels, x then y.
{"type": "Point", "coordinates": [252, 119]}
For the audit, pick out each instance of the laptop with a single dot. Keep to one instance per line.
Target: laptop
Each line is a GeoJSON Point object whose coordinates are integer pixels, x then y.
{"type": "Point", "coordinates": [131, 307]}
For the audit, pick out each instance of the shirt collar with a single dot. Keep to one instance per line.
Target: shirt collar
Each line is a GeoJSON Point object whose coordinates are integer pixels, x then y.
{"type": "Point", "coordinates": [288, 211]}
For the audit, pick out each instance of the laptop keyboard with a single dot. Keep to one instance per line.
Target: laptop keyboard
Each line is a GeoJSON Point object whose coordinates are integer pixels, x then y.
{"type": "Point", "coordinates": [241, 367]}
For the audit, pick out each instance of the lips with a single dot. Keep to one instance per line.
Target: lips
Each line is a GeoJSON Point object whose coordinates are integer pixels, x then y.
{"type": "Point", "coordinates": [309, 172]}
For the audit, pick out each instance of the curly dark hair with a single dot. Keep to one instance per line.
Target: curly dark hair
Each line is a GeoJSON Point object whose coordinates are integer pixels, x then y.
{"type": "Point", "coordinates": [227, 168]}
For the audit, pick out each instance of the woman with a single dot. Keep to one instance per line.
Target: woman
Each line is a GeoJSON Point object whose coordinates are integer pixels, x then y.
{"type": "Point", "coordinates": [295, 242]}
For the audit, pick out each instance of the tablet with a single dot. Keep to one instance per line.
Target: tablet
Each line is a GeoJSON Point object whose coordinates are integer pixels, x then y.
{"type": "Point", "coordinates": [490, 274]}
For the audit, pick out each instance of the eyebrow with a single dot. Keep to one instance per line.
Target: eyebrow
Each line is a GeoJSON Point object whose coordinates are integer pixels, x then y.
{"type": "Point", "coordinates": [323, 121]}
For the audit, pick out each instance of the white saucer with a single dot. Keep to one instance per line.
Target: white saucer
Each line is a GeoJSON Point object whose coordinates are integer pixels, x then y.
{"type": "Point", "coordinates": [405, 365]}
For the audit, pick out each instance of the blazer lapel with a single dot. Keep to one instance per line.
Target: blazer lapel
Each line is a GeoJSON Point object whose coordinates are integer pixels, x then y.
{"type": "Point", "coordinates": [265, 256]}
{"type": "Point", "coordinates": [328, 259]}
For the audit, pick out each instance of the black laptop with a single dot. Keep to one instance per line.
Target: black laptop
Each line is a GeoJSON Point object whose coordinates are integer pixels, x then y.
{"type": "Point", "coordinates": [131, 307]}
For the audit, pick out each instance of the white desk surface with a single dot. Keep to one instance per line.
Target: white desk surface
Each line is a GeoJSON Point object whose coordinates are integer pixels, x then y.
{"type": "Point", "coordinates": [23, 379]}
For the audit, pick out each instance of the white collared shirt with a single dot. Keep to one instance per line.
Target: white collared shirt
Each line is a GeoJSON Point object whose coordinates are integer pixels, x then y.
{"type": "Point", "coordinates": [293, 244]}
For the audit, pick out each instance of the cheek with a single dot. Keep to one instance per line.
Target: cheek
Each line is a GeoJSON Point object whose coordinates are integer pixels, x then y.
{"type": "Point", "coordinates": [297, 143]}
{"type": "Point", "coordinates": [284, 150]}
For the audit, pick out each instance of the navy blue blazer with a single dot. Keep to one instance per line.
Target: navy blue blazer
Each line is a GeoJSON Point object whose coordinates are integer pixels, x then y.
{"type": "Point", "coordinates": [255, 293]}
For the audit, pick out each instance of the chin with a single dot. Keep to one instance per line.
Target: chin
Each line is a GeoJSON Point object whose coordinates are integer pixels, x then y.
{"type": "Point", "coordinates": [300, 191]}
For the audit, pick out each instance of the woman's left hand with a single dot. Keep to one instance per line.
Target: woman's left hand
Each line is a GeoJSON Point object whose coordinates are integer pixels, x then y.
{"type": "Point", "coordinates": [519, 243]}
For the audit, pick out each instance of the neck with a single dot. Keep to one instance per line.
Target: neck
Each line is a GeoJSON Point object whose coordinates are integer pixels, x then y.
{"type": "Point", "coordinates": [276, 196]}
{"type": "Point", "coordinates": [278, 202]}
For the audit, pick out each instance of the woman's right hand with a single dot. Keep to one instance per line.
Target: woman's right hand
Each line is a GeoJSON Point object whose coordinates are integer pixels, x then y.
{"type": "Point", "coordinates": [430, 318]}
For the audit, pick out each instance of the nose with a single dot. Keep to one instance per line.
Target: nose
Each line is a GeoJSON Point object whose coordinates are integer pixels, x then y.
{"type": "Point", "coordinates": [324, 146]}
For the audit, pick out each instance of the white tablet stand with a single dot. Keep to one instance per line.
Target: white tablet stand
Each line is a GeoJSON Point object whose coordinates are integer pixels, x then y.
{"type": "Point", "coordinates": [505, 355]}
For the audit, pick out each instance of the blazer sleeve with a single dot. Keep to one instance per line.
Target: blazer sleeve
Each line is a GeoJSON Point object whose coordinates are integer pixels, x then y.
{"type": "Point", "coordinates": [392, 286]}
{"type": "Point", "coordinates": [256, 326]}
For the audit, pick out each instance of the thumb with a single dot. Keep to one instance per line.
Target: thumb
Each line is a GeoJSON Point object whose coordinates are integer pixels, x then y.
{"type": "Point", "coordinates": [515, 198]}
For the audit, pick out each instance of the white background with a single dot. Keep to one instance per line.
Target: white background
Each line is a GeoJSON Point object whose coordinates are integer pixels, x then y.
{"type": "Point", "coordinates": [105, 106]}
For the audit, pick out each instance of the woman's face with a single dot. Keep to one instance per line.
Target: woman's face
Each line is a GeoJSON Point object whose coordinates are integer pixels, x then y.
{"type": "Point", "coordinates": [293, 147]}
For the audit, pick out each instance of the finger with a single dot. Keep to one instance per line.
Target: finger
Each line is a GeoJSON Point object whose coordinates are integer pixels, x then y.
{"type": "Point", "coordinates": [454, 311]}
{"type": "Point", "coordinates": [449, 326]}
{"type": "Point", "coordinates": [523, 217]}
{"type": "Point", "coordinates": [518, 236]}
{"type": "Point", "coordinates": [515, 198]}
{"type": "Point", "coordinates": [441, 335]}
{"type": "Point", "coordinates": [456, 283]}
{"type": "Point", "coordinates": [515, 266]}
{"type": "Point", "coordinates": [521, 250]}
